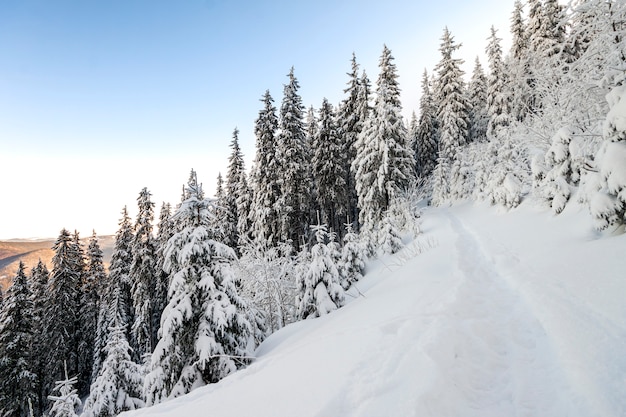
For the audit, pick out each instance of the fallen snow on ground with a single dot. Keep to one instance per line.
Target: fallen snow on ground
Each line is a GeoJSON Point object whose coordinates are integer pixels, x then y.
{"type": "Point", "coordinates": [484, 314]}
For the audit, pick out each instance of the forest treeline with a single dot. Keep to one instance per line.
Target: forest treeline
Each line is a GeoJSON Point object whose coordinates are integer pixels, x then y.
{"type": "Point", "coordinates": [189, 296]}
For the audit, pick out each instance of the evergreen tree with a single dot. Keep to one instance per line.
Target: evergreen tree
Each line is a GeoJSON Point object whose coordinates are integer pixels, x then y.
{"type": "Point", "coordinates": [164, 233]}
{"type": "Point", "coordinates": [39, 285]}
{"type": "Point", "coordinates": [67, 402]}
{"type": "Point", "coordinates": [62, 310]}
{"type": "Point", "coordinates": [353, 112]}
{"type": "Point", "coordinates": [320, 291]}
{"type": "Point", "coordinates": [235, 184]}
{"type": "Point", "coordinates": [328, 171]}
{"type": "Point", "coordinates": [519, 79]}
{"type": "Point", "coordinates": [220, 211]}
{"type": "Point", "coordinates": [352, 263]}
{"type": "Point", "coordinates": [498, 106]}
{"type": "Point", "coordinates": [518, 31]}
{"type": "Point", "coordinates": [452, 116]}
{"type": "Point", "coordinates": [142, 276]}
{"type": "Point", "coordinates": [293, 164]}
{"type": "Point", "coordinates": [17, 364]}
{"type": "Point", "coordinates": [117, 286]}
{"type": "Point", "coordinates": [94, 279]}
{"type": "Point", "coordinates": [384, 165]}
{"type": "Point", "coordinates": [119, 384]}
{"type": "Point", "coordinates": [266, 191]}
{"type": "Point", "coordinates": [477, 96]}
{"type": "Point", "coordinates": [427, 135]}
{"type": "Point", "coordinates": [205, 334]}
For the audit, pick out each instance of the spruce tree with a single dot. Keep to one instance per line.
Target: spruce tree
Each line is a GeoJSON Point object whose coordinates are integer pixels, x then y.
{"type": "Point", "coordinates": [384, 165]}
{"type": "Point", "coordinates": [517, 66]}
{"type": "Point", "coordinates": [94, 279]}
{"type": "Point", "coordinates": [352, 114]}
{"type": "Point", "coordinates": [142, 276]}
{"type": "Point", "coordinates": [294, 166]}
{"type": "Point", "coordinates": [320, 289]}
{"type": "Point", "coordinates": [67, 402]}
{"type": "Point", "coordinates": [18, 381]}
{"type": "Point", "coordinates": [266, 191]}
{"type": "Point", "coordinates": [452, 116]}
{"type": "Point", "coordinates": [478, 109]}
{"type": "Point", "coordinates": [164, 233]}
{"type": "Point", "coordinates": [62, 310]}
{"type": "Point", "coordinates": [118, 385]}
{"type": "Point", "coordinates": [235, 193]}
{"type": "Point", "coordinates": [205, 334]}
{"type": "Point", "coordinates": [498, 106]}
{"type": "Point", "coordinates": [427, 141]}
{"type": "Point", "coordinates": [39, 285]}
{"type": "Point", "coordinates": [328, 171]}
{"type": "Point", "coordinates": [352, 263]}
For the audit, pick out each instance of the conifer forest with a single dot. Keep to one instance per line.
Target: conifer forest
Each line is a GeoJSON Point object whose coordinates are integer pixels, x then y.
{"type": "Point", "coordinates": [192, 290]}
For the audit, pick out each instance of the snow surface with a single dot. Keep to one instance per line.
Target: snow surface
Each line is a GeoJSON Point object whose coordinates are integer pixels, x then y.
{"type": "Point", "coordinates": [484, 314]}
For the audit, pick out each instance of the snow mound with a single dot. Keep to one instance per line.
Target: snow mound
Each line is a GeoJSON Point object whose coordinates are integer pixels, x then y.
{"type": "Point", "coordinates": [507, 314]}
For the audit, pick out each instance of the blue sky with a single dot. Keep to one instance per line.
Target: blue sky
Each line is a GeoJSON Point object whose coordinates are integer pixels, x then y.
{"type": "Point", "coordinates": [99, 99]}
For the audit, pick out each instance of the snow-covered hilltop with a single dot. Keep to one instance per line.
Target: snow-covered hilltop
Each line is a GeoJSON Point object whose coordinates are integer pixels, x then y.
{"type": "Point", "coordinates": [484, 314]}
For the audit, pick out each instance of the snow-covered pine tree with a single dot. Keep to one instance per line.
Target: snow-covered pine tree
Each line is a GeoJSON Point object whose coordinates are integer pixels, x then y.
{"type": "Point", "coordinates": [498, 101]}
{"type": "Point", "coordinates": [608, 204]}
{"type": "Point", "coordinates": [162, 280]}
{"type": "Point", "coordinates": [353, 112]}
{"type": "Point", "coordinates": [142, 277]}
{"type": "Point", "coordinates": [205, 334]}
{"type": "Point", "coordinates": [556, 185]}
{"type": "Point", "coordinates": [62, 310]}
{"type": "Point", "coordinates": [352, 263]}
{"type": "Point", "coordinates": [328, 170]}
{"type": "Point", "coordinates": [266, 190]}
{"type": "Point", "coordinates": [68, 401]}
{"type": "Point", "coordinates": [384, 165]}
{"type": "Point", "coordinates": [117, 283]}
{"type": "Point", "coordinates": [94, 279]}
{"type": "Point", "coordinates": [220, 211]}
{"type": "Point", "coordinates": [293, 158]}
{"type": "Point", "coordinates": [477, 96]}
{"type": "Point", "coordinates": [234, 177]}
{"type": "Point", "coordinates": [452, 117]}
{"type": "Point", "coordinates": [39, 286]}
{"type": "Point", "coordinates": [119, 384]}
{"type": "Point", "coordinates": [517, 66]}
{"type": "Point", "coordinates": [17, 362]}
{"type": "Point", "coordinates": [320, 290]}
{"type": "Point", "coordinates": [427, 141]}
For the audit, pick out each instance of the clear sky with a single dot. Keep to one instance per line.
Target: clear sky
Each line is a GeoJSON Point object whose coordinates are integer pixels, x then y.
{"type": "Point", "coordinates": [99, 99]}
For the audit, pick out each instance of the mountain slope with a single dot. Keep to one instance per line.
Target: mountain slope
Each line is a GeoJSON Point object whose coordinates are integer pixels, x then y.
{"type": "Point", "coordinates": [485, 314]}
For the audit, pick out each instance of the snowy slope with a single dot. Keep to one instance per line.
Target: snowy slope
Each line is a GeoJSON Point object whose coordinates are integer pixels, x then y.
{"type": "Point", "coordinates": [486, 314]}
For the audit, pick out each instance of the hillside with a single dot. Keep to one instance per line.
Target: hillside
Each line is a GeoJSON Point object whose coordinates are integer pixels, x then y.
{"type": "Point", "coordinates": [30, 251]}
{"type": "Point", "coordinates": [485, 314]}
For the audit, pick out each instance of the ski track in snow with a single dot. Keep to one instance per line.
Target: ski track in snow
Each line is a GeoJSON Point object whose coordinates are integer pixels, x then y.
{"type": "Point", "coordinates": [472, 327]}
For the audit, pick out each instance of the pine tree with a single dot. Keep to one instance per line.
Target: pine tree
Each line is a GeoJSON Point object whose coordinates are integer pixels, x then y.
{"type": "Point", "coordinates": [142, 276]}
{"type": "Point", "coordinates": [39, 285]}
{"type": "Point", "coordinates": [293, 164]}
{"type": "Point", "coordinates": [352, 263]}
{"type": "Point", "coordinates": [220, 211]}
{"type": "Point", "coordinates": [117, 286]}
{"type": "Point", "coordinates": [67, 402]}
{"type": "Point", "coordinates": [328, 171]}
{"type": "Point", "coordinates": [17, 363]}
{"type": "Point", "coordinates": [427, 134]}
{"type": "Point", "coordinates": [164, 233]}
{"type": "Point", "coordinates": [452, 116]}
{"type": "Point", "coordinates": [352, 114]}
{"type": "Point", "coordinates": [94, 279]}
{"type": "Point", "coordinates": [320, 290]}
{"type": "Point", "coordinates": [519, 79]}
{"type": "Point", "coordinates": [498, 106]}
{"type": "Point", "coordinates": [266, 191]}
{"type": "Point", "coordinates": [118, 386]}
{"type": "Point", "coordinates": [204, 332]}
{"type": "Point", "coordinates": [62, 311]}
{"type": "Point", "coordinates": [477, 96]}
{"type": "Point", "coordinates": [235, 184]}
{"type": "Point", "coordinates": [384, 165]}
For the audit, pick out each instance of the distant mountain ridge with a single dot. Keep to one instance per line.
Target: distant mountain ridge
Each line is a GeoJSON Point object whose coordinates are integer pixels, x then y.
{"type": "Point", "coordinates": [30, 251]}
